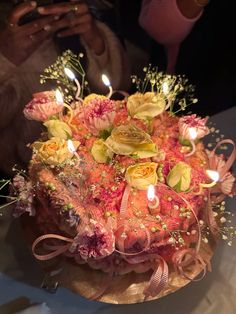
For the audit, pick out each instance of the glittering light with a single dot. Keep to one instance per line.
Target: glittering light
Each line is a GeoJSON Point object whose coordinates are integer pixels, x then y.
{"type": "Point", "coordinates": [214, 175]}
{"type": "Point", "coordinates": [107, 83]}
{"type": "Point", "coordinates": [69, 73]}
{"type": "Point", "coordinates": [71, 76]}
{"type": "Point", "coordinates": [192, 133]}
{"type": "Point", "coordinates": [59, 97]}
{"type": "Point", "coordinates": [165, 88]}
{"type": "Point", "coordinates": [106, 80]}
{"type": "Point", "coordinates": [71, 146]}
{"type": "Point", "coordinates": [153, 200]}
{"type": "Point", "coordinates": [151, 193]}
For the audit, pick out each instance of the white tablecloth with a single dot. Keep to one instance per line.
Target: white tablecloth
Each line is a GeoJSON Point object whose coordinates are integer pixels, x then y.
{"type": "Point", "coordinates": [20, 276]}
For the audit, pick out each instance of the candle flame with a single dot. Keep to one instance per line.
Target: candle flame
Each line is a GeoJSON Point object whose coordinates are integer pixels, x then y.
{"type": "Point", "coordinates": [71, 146]}
{"type": "Point", "coordinates": [106, 80]}
{"type": "Point", "coordinates": [69, 73]}
{"type": "Point", "coordinates": [165, 88]}
{"type": "Point", "coordinates": [192, 133]}
{"type": "Point", "coordinates": [151, 193]}
{"type": "Point", "coordinates": [214, 175]}
{"type": "Point", "coordinates": [59, 97]}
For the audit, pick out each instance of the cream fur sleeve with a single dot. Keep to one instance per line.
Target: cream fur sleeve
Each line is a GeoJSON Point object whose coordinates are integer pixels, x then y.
{"type": "Point", "coordinates": [113, 62]}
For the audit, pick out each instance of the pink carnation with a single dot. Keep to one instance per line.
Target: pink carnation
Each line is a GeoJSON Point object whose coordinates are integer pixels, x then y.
{"type": "Point", "coordinates": [42, 106]}
{"type": "Point", "coordinates": [95, 241]}
{"type": "Point", "coordinates": [195, 123]}
{"type": "Point", "coordinates": [98, 115]}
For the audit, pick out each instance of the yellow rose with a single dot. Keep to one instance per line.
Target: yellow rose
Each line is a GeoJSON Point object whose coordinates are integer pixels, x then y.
{"type": "Point", "coordinates": [141, 175]}
{"type": "Point", "coordinates": [92, 97]}
{"type": "Point", "coordinates": [131, 141]}
{"type": "Point", "coordinates": [100, 152]}
{"type": "Point", "coordinates": [54, 151]}
{"type": "Point", "coordinates": [145, 106]}
{"type": "Point", "coordinates": [179, 178]}
{"type": "Point", "coordinates": [57, 128]}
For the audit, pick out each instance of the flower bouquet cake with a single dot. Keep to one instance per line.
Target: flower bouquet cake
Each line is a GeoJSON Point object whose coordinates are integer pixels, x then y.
{"type": "Point", "coordinates": [124, 190]}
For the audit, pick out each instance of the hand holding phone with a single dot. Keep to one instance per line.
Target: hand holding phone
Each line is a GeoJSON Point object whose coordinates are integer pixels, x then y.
{"type": "Point", "coordinates": [76, 19]}
{"type": "Point", "coordinates": [17, 42]}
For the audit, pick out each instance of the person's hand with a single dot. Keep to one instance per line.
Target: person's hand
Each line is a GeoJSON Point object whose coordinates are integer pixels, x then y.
{"type": "Point", "coordinates": [17, 43]}
{"type": "Point", "coordinates": [75, 19]}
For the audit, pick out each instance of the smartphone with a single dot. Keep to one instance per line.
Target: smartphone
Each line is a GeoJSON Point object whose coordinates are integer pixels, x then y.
{"type": "Point", "coordinates": [34, 15]}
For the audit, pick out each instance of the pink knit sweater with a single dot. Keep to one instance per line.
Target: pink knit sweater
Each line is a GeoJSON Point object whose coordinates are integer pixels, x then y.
{"type": "Point", "coordinates": [164, 22]}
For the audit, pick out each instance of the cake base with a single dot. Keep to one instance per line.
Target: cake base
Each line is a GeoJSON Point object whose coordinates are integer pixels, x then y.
{"type": "Point", "coordinates": [125, 289]}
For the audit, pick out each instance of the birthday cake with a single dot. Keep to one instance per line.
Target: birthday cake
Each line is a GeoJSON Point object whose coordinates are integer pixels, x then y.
{"type": "Point", "coordinates": [124, 185]}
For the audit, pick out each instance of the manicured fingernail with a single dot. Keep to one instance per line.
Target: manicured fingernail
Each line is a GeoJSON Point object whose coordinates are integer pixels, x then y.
{"type": "Point", "coordinates": [47, 27]}
{"type": "Point", "coordinates": [33, 3]}
{"type": "Point", "coordinates": [56, 17]}
{"type": "Point", "coordinates": [41, 10]}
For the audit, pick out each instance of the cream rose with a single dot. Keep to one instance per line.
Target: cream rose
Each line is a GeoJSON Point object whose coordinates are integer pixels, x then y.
{"type": "Point", "coordinates": [141, 175]}
{"type": "Point", "coordinates": [179, 178]}
{"type": "Point", "coordinates": [57, 128]}
{"type": "Point", "coordinates": [100, 152]}
{"type": "Point", "coordinates": [54, 151]}
{"type": "Point", "coordinates": [145, 106]}
{"type": "Point", "coordinates": [131, 141]}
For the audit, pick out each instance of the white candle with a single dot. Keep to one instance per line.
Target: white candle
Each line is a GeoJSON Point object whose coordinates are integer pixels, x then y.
{"type": "Point", "coordinates": [214, 175]}
{"type": "Point", "coordinates": [165, 89]}
{"type": "Point", "coordinates": [106, 82]}
{"type": "Point", "coordinates": [72, 149]}
{"type": "Point", "coordinates": [71, 76]}
{"type": "Point", "coordinates": [193, 136]}
{"type": "Point", "coordinates": [153, 200]}
{"type": "Point", "coordinates": [60, 101]}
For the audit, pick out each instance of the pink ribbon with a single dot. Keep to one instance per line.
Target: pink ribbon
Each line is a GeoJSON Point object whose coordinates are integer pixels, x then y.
{"type": "Point", "coordinates": [180, 261]}
{"type": "Point", "coordinates": [229, 162]}
{"type": "Point", "coordinates": [58, 249]}
{"type": "Point", "coordinates": [158, 280]}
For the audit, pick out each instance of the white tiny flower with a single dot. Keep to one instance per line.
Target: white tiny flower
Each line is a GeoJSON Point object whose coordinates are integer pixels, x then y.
{"type": "Point", "coordinates": [171, 240]}
{"type": "Point", "coordinates": [222, 220]}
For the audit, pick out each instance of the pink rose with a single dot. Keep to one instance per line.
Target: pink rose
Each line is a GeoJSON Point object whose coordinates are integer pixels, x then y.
{"type": "Point", "coordinates": [192, 127]}
{"type": "Point", "coordinates": [98, 115]}
{"type": "Point", "coordinates": [42, 106]}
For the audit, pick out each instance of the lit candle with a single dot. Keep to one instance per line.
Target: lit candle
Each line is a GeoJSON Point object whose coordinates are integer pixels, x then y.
{"type": "Point", "coordinates": [71, 76]}
{"type": "Point", "coordinates": [193, 136]}
{"type": "Point", "coordinates": [153, 200]}
{"type": "Point", "coordinates": [60, 101]}
{"type": "Point", "coordinates": [106, 82]}
{"type": "Point", "coordinates": [72, 149]}
{"type": "Point", "coordinates": [165, 89]}
{"type": "Point", "coordinates": [214, 175]}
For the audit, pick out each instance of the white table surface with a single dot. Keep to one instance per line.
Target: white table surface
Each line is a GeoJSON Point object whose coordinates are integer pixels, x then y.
{"type": "Point", "coordinates": [20, 276]}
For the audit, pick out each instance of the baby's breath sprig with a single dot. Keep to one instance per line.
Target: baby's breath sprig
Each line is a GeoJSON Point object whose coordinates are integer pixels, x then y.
{"type": "Point", "coordinates": [9, 199]}
{"type": "Point", "coordinates": [175, 88]}
{"type": "Point", "coordinates": [56, 73]}
{"type": "Point", "coordinates": [223, 218]}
